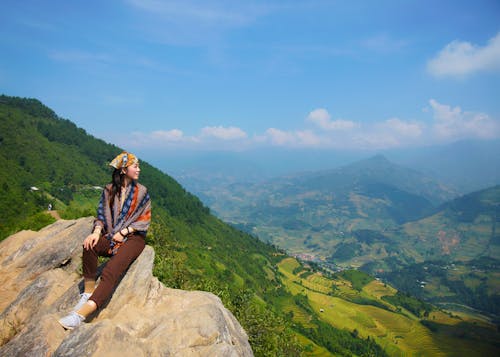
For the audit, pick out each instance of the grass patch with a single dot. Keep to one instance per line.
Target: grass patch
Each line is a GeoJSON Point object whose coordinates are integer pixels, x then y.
{"type": "Point", "coordinates": [357, 278]}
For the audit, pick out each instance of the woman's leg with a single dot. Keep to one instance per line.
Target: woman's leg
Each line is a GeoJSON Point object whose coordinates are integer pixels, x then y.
{"type": "Point", "coordinates": [89, 262]}
{"type": "Point", "coordinates": [115, 267]}
{"type": "Point", "coordinates": [85, 307]}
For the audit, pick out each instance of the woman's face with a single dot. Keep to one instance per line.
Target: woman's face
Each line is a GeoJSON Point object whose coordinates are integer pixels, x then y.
{"type": "Point", "coordinates": [133, 171]}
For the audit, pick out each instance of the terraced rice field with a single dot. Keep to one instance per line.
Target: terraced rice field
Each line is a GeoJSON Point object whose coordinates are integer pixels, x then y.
{"type": "Point", "coordinates": [400, 334]}
{"type": "Point", "coordinates": [395, 332]}
{"type": "Point", "coordinates": [299, 315]}
{"type": "Point", "coordinates": [378, 289]}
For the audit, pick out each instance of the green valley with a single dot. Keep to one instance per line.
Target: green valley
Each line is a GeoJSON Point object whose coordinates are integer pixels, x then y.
{"type": "Point", "coordinates": [385, 219]}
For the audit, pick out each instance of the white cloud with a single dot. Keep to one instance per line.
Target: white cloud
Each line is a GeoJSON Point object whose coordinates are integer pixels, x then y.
{"type": "Point", "coordinates": [174, 135]}
{"type": "Point", "coordinates": [309, 138]}
{"type": "Point", "coordinates": [299, 138]}
{"type": "Point", "coordinates": [279, 137]}
{"type": "Point", "coordinates": [403, 128]}
{"type": "Point", "coordinates": [453, 123]}
{"type": "Point", "coordinates": [445, 124]}
{"type": "Point", "coordinates": [220, 132]}
{"type": "Point", "coordinates": [460, 58]}
{"type": "Point", "coordinates": [443, 112]}
{"type": "Point", "coordinates": [160, 138]}
{"type": "Point", "coordinates": [215, 137]}
{"type": "Point", "coordinates": [322, 119]}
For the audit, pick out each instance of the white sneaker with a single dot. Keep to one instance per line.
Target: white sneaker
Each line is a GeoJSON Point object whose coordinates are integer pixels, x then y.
{"type": "Point", "coordinates": [84, 297]}
{"type": "Point", "coordinates": [69, 322]}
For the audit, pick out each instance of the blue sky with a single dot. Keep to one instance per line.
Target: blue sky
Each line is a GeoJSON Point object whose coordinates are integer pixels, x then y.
{"type": "Point", "coordinates": [174, 76]}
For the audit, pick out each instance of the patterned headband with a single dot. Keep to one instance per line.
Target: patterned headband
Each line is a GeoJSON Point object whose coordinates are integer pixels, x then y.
{"type": "Point", "coordinates": [125, 159]}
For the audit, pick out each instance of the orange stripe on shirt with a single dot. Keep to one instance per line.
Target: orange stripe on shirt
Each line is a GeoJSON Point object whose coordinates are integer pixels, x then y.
{"type": "Point", "coordinates": [133, 205]}
{"type": "Point", "coordinates": [146, 216]}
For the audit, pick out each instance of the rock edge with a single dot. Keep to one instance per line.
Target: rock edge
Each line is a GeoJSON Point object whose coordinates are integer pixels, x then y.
{"type": "Point", "coordinates": [39, 284]}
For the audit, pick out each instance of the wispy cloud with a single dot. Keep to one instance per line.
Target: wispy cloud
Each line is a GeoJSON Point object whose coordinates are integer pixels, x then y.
{"type": "Point", "coordinates": [37, 24]}
{"type": "Point", "coordinates": [78, 56]}
{"type": "Point", "coordinates": [390, 133]}
{"type": "Point", "coordinates": [195, 23]}
{"type": "Point", "coordinates": [460, 58]}
{"type": "Point", "coordinates": [446, 124]}
{"type": "Point", "coordinates": [116, 61]}
{"type": "Point", "coordinates": [383, 43]}
{"type": "Point", "coordinates": [199, 12]}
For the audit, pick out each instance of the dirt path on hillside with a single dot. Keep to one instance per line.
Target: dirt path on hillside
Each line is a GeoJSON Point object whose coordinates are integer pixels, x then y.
{"type": "Point", "coordinates": [54, 214]}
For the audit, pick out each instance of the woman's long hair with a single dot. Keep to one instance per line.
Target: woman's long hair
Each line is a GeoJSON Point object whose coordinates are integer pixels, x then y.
{"type": "Point", "coordinates": [117, 180]}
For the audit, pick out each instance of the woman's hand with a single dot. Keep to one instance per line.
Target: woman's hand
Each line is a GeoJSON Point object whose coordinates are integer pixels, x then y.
{"type": "Point", "coordinates": [91, 240]}
{"type": "Point", "coordinates": [117, 237]}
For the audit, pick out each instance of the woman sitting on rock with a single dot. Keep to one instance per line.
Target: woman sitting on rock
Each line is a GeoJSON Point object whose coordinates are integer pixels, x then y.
{"type": "Point", "coordinates": [119, 232]}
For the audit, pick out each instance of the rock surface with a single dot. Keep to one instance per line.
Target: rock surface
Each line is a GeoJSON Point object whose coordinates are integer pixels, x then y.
{"type": "Point", "coordinates": [39, 283]}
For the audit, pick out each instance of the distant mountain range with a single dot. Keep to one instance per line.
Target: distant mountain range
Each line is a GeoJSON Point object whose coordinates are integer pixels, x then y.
{"type": "Point", "coordinates": [372, 171]}
{"type": "Point", "coordinates": [375, 215]}
{"type": "Point", "coordinates": [466, 165]}
{"type": "Point", "coordinates": [369, 194]}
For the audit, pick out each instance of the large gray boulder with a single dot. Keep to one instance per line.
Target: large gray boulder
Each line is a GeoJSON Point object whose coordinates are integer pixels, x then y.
{"type": "Point", "coordinates": [40, 283]}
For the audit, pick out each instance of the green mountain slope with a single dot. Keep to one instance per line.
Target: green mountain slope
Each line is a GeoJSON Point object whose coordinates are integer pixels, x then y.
{"type": "Point", "coordinates": [195, 250]}
{"type": "Point", "coordinates": [462, 230]}
{"type": "Point", "coordinates": [469, 207]}
{"type": "Point", "coordinates": [465, 228]}
{"type": "Point", "coordinates": [455, 252]}
{"type": "Point", "coordinates": [42, 150]}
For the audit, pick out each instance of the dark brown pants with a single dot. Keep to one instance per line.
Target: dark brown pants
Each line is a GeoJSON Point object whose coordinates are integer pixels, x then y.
{"type": "Point", "coordinates": [114, 268]}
